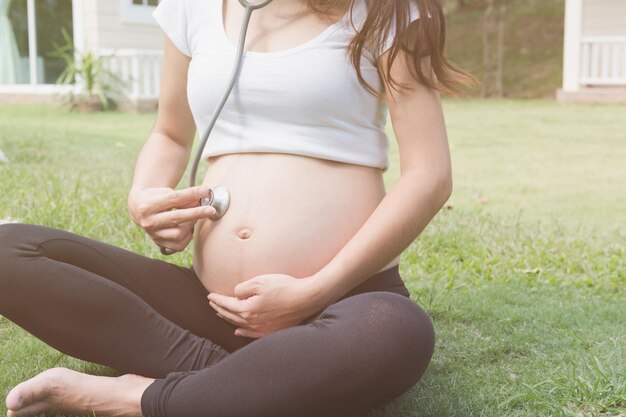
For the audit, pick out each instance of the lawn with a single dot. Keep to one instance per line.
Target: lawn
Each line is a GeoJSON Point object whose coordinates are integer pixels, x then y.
{"type": "Point", "coordinates": [523, 271]}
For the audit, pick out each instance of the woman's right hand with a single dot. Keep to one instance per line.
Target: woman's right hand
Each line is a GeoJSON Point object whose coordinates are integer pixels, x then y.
{"type": "Point", "coordinates": [152, 210]}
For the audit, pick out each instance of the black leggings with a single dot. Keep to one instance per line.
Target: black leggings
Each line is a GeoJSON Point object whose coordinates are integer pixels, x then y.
{"type": "Point", "coordinates": [139, 315]}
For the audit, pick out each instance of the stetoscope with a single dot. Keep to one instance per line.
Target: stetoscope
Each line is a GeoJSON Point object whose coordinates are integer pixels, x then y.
{"type": "Point", "coordinates": [219, 197]}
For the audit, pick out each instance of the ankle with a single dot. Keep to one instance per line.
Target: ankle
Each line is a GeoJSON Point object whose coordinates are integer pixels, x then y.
{"type": "Point", "coordinates": [132, 388]}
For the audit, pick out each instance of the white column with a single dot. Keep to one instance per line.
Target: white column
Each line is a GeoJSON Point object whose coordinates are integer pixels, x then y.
{"type": "Point", "coordinates": [571, 44]}
{"type": "Point", "coordinates": [32, 42]}
{"type": "Point", "coordinates": [78, 23]}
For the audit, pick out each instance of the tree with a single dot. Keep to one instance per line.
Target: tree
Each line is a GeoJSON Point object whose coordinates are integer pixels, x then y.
{"type": "Point", "coordinates": [493, 61]}
{"type": "Point", "coordinates": [450, 6]}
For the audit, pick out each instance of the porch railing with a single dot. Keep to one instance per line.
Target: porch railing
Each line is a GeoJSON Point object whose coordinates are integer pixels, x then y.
{"type": "Point", "coordinates": [140, 68]}
{"type": "Point", "coordinates": [603, 60]}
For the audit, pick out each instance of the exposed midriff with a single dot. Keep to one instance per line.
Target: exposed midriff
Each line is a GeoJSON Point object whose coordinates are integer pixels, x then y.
{"type": "Point", "coordinates": [288, 214]}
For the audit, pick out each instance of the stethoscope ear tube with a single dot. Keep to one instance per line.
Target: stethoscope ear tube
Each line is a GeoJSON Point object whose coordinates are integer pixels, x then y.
{"type": "Point", "coordinates": [219, 197]}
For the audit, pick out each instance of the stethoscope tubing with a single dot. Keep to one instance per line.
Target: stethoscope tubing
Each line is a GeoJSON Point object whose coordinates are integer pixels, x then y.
{"type": "Point", "coordinates": [234, 75]}
{"type": "Point", "coordinates": [219, 196]}
{"type": "Point", "coordinates": [254, 6]}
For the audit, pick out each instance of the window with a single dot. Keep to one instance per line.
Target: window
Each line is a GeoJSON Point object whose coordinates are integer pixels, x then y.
{"type": "Point", "coordinates": [31, 29]}
{"type": "Point", "coordinates": [138, 11]}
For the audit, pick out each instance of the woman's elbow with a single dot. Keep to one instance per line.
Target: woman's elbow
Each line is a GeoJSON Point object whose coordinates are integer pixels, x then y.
{"type": "Point", "coordinates": [447, 186]}
{"type": "Point", "coordinates": [436, 183]}
{"type": "Point", "coordinates": [444, 188]}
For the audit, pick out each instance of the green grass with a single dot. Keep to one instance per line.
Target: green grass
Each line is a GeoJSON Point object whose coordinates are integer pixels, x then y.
{"type": "Point", "coordinates": [523, 273]}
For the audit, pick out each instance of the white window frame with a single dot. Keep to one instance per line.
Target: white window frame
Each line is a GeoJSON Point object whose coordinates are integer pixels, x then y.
{"type": "Point", "coordinates": [136, 13]}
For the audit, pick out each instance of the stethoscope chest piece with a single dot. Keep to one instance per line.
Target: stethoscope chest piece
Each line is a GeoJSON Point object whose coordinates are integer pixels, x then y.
{"type": "Point", "coordinates": [219, 198]}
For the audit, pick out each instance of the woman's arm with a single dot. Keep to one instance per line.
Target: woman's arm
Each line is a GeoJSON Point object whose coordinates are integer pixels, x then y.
{"type": "Point", "coordinates": [165, 153]}
{"type": "Point", "coordinates": [423, 188]}
{"type": "Point", "coordinates": [162, 161]}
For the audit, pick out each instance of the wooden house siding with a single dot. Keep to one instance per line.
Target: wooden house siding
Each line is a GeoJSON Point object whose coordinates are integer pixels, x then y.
{"type": "Point", "coordinates": [604, 18]}
{"type": "Point", "coordinates": [107, 30]}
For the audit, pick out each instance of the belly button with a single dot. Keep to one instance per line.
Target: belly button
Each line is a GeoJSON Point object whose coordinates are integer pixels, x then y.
{"type": "Point", "coordinates": [244, 233]}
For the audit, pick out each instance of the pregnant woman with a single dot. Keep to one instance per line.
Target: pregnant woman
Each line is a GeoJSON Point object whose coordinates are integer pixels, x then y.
{"type": "Point", "coordinates": [293, 305]}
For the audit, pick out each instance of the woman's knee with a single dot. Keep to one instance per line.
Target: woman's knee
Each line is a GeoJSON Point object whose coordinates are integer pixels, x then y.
{"type": "Point", "coordinates": [16, 237]}
{"type": "Point", "coordinates": [409, 334]}
{"type": "Point", "coordinates": [404, 323]}
{"type": "Point", "coordinates": [9, 258]}
{"type": "Point", "coordinates": [18, 242]}
{"type": "Point", "coordinates": [10, 235]}
{"type": "Point", "coordinates": [395, 315]}
{"type": "Point", "coordinates": [399, 331]}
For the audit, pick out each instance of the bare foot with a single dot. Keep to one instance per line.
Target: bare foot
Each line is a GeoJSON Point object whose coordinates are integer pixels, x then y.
{"type": "Point", "coordinates": [65, 390]}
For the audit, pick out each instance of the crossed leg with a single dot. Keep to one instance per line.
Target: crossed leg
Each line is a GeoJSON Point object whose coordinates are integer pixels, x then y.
{"type": "Point", "coordinates": [362, 350]}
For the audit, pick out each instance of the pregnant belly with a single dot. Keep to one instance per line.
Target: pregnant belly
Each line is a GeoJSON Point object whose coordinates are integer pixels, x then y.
{"type": "Point", "coordinates": [288, 214]}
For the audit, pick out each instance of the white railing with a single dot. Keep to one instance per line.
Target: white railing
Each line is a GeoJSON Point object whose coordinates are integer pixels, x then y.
{"type": "Point", "coordinates": [603, 60]}
{"type": "Point", "coordinates": [140, 68]}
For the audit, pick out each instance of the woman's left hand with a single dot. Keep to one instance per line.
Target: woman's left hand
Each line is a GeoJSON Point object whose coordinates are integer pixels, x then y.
{"type": "Point", "coordinates": [268, 303]}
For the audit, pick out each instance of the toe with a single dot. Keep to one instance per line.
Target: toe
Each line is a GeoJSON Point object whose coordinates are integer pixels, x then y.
{"type": "Point", "coordinates": [29, 392]}
{"type": "Point", "coordinates": [14, 399]}
{"type": "Point", "coordinates": [29, 410]}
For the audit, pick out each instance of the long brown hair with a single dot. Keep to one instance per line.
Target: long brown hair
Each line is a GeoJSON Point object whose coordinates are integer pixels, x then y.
{"type": "Point", "coordinates": [428, 40]}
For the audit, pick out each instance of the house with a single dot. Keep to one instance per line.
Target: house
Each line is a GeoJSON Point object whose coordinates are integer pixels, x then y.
{"type": "Point", "coordinates": [122, 30]}
{"type": "Point", "coordinates": [594, 58]}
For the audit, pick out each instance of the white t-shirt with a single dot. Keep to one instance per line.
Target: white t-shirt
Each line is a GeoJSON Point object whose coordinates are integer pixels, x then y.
{"type": "Point", "coordinates": [304, 100]}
